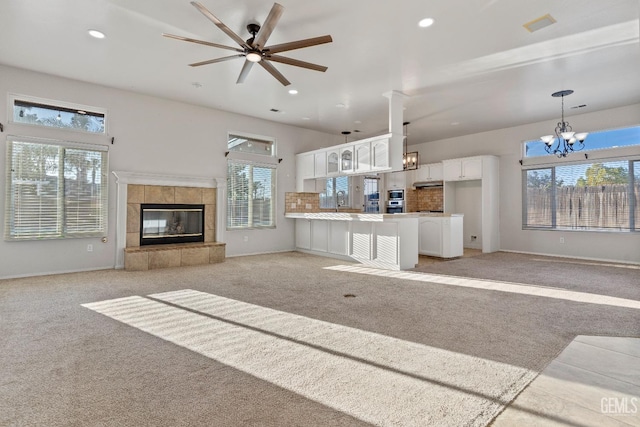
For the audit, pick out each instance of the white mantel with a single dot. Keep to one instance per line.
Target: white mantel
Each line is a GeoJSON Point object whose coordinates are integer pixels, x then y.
{"type": "Point", "coordinates": [124, 178]}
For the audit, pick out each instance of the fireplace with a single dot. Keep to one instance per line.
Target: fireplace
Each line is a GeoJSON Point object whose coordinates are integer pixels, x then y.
{"type": "Point", "coordinates": [171, 223]}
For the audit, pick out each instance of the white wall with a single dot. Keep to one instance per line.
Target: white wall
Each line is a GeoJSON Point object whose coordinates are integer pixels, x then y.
{"type": "Point", "coordinates": [152, 135]}
{"type": "Point", "coordinates": [506, 143]}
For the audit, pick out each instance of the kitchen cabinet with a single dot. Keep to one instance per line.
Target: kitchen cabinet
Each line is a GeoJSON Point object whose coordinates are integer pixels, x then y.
{"type": "Point", "coordinates": [376, 240]}
{"type": "Point", "coordinates": [380, 154]}
{"type": "Point", "coordinates": [429, 172]}
{"type": "Point", "coordinates": [303, 234]}
{"type": "Point", "coordinates": [441, 236]}
{"type": "Point", "coordinates": [333, 162]}
{"type": "Point", "coordinates": [305, 165]}
{"type": "Point", "coordinates": [363, 157]}
{"type": "Point", "coordinates": [346, 159]}
{"type": "Point", "coordinates": [395, 180]}
{"type": "Point", "coordinates": [462, 169]}
{"type": "Point", "coordinates": [320, 164]}
{"type": "Point", "coordinates": [478, 200]}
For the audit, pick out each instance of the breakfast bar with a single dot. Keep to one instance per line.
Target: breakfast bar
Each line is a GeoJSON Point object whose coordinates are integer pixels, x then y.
{"type": "Point", "coordinates": [388, 241]}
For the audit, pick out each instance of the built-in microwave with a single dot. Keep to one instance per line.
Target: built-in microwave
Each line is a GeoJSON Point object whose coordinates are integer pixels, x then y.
{"type": "Point", "coordinates": [395, 195]}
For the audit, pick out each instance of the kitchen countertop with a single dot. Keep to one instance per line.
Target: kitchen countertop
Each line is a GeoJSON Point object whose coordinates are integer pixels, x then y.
{"type": "Point", "coordinates": [348, 216]}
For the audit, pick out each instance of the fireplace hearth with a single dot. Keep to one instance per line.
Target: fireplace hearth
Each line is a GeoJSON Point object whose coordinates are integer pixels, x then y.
{"type": "Point", "coordinates": [171, 223]}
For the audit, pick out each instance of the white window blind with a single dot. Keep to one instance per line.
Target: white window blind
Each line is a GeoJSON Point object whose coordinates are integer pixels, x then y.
{"type": "Point", "coordinates": [588, 196]}
{"type": "Point", "coordinates": [250, 195]}
{"type": "Point", "coordinates": [55, 190]}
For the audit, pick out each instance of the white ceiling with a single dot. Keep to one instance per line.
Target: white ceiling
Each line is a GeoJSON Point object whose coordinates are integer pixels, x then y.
{"type": "Point", "coordinates": [475, 69]}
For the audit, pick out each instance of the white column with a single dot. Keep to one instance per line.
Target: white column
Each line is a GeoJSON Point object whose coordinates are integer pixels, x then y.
{"type": "Point", "coordinates": [396, 107]}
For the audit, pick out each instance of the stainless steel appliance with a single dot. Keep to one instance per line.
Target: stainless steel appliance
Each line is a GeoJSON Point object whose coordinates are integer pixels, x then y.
{"type": "Point", "coordinates": [395, 206]}
{"type": "Point", "coordinates": [395, 195]}
{"type": "Point", "coordinates": [395, 201]}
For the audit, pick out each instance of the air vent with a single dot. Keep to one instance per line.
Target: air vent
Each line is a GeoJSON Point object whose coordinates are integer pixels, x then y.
{"type": "Point", "coordinates": [274, 110]}
{"type": "Point", "coordinates": [578, 106]}
{"type": "Point", "coordinates": [539, 23]}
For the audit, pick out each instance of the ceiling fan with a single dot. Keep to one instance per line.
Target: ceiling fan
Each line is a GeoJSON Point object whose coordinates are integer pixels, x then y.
{"type": "Point", "coordinates": [254, 49]}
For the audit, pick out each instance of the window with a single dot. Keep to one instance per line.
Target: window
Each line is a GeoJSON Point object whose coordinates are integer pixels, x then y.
{"type": "Point", "coordinates": [250, 190]}
{"type": "Point", "coordinates": [590, 196]}
{"type": "Point", "coordinates": [336, 193]}
{"type": "Point", "coordinates": [55, 114]}
{"type": "Point", "coordinates": [251, 144]}
{"type": "Point", "coordinates": [55, 190]}
{"type": "Point", "coordinates": [615, 138]}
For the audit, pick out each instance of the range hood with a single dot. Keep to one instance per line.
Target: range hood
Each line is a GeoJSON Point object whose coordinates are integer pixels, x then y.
{"type": "Point", "coordinates": [426, 184]}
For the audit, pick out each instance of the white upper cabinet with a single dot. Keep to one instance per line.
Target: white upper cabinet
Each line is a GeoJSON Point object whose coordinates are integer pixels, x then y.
{"type": "Point", "coordinates": [395, 180]}
{"type": "Point", "coordinates": [363, 157]}
{"type": "Point", "coordinates": [305, 165]}
{"type": "Point", "coordinates": [333, 162]}
{"type": "Point", "coordinates": [380, 154]}
{"type": "Point", "coordinates": [346, 159]}
{"type": "Point", "coordinates": [462, 169]}
{"type": "Point", "coordinates": [320, 164]}
{"type": "Point", "coordinates": [429, 172]}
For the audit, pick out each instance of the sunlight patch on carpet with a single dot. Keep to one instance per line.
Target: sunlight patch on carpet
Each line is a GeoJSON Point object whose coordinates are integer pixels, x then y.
{"type": "Point", "coordinates": [376, 378]}
{"type": "Point", "coordinates": [494, 285]}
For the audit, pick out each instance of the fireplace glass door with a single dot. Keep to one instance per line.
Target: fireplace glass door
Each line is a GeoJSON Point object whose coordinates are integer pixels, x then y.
{"type": "Point", "coordinates": [162, 224]}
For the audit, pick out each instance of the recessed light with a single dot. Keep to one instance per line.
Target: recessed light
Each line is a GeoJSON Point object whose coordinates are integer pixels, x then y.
{"type": "Point", "coordinates": [96, 34]}
{"type": "Point", "coordinates": [341, 105]}
{"type": "Point", "coordinates": [357, 122]}
{"type": "Point", "coordinates": [426, 22]}
{"type": "Point", "coordinates": [306, 118]}
{"type": "Point", "coordinates": [293, 91]}
{"type": "Point", "coordinates": [455, 123]}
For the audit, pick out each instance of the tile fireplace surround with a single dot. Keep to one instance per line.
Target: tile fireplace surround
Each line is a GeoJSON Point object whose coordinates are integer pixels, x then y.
{"type": "Point", "coordinates": [135, 189]}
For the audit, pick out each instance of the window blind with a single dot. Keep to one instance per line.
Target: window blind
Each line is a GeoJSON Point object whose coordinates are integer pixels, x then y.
{"type": "Point", "coordinates": [55, 190]}
{"type": "Point", "coordinates": [250, 195]}
{"type": "Point", "coordinates": [587, 196]}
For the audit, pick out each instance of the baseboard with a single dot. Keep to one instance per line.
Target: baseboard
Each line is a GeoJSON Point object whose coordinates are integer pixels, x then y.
{"type": "Point", "coordinates": [52, 273]}
{"type": "Point", "coordinates": [260, 253]}
{"type": "Point", "coordinates": [617, 261]}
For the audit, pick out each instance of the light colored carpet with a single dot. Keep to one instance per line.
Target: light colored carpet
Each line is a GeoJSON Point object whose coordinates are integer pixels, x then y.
{"type": "Point", "coordinates": [63, 364]}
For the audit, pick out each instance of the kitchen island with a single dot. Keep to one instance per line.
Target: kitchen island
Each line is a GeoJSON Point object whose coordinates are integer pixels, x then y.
{"type": "Point", "coordinates": [388, 241]}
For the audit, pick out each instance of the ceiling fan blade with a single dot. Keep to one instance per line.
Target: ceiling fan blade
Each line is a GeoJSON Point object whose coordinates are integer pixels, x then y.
{"type": "Point", "coordinates": [275, 73]}
{"type": "Point", "coordinates": [219, 23]}
{"type": "Point", "coordinates": [213, 61]}
{"type": "Point", "coordinates": [296, 62]}
{"type": "Point", "coordinates": [187, 39]}
{"type": "Point", "coordinates": [245, 71]}
{"type": "Point", "coordinates": [268, 26]}
{"type": "Point", "coordinates": [298, 44]}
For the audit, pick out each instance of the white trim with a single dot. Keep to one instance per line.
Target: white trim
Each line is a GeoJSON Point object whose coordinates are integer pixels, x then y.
{"type": "Point", "coordinates": [55, 273]}
{"type": "Point", "coordinates": [614, 261]}
{"type": "Point", "coordinates": [265, 253]}
{"type": "Point", "coordinates": [124, 177]}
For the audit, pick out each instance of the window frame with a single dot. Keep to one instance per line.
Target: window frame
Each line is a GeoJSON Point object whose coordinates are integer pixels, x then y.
{"type": "Point", "coordinates": [349, 203]}
{"type": "Point", "coordinates": [12, 98]}
{"type": "Point", "coordinates": [250, 201]}
{"type": "Point", "coordinates": [251, 137]}
{"type": "Point", "coordinates": [633, 222]}
{"type": "Point", "coordinates": [62, 199]}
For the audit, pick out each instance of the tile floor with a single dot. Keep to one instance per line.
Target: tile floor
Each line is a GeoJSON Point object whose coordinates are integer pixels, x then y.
{"type": "Point", "coordinates": [595, 381]}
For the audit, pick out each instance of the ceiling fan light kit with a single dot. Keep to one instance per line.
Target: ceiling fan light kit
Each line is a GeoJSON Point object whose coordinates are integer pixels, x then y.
{"type": "Point", "coordinates": [565, 139]}
{"type": "Point", "coordinates": [254, 50]}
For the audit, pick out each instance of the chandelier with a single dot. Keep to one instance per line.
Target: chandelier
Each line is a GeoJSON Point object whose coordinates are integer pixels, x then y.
{"type": "Point", "coordinates": [409, 160]}
{"type": "Point", "coordinates": [565, 140]}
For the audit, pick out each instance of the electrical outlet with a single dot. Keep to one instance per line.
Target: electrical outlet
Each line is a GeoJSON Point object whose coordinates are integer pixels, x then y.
{"type": "Point", "coordinates": [562, 240]}
{"type": "Point", "coordinates": [89, 248]}
{"type": "Point", "coordinates": [473, 238]}
{"type": "Point", "coordinates": [307, 206]}
{"type": "Point", "coordinates": [245, 238]}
